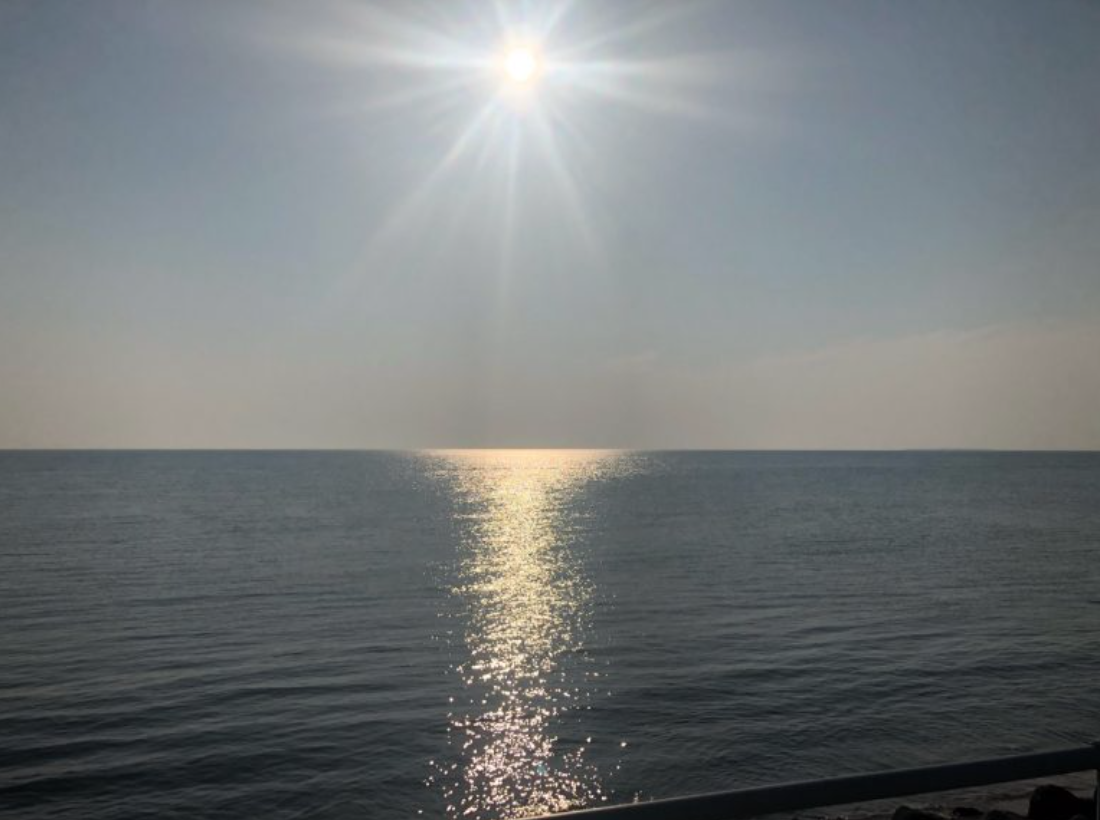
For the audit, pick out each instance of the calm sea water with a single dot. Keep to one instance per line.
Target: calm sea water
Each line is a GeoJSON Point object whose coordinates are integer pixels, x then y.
{"type": "Point", "coordinates": [486, 634]}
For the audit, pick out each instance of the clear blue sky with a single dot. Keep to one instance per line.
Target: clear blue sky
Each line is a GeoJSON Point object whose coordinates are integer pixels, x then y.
{"type": "Point", "coordinates": [730, 224]}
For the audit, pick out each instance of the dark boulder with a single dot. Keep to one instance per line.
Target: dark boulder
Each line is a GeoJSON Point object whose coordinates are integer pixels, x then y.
{"type": "Point", "coordinates": [1049, 802]}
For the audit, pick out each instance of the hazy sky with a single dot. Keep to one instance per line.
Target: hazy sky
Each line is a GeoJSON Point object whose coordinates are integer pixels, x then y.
{"type": "Point", "coordinates": [728, 224]}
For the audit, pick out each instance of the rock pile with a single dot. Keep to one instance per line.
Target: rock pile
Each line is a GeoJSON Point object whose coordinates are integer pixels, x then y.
{"type": "Point", "coordinates": [1047, 802]}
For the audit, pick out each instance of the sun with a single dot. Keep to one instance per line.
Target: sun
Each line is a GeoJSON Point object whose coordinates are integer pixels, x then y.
{"type": "Point", "coordinates": [521, 65]}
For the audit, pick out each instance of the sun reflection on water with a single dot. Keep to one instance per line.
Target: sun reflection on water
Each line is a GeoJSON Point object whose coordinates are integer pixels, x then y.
{"type": "Point", "coordinates": [525, 604]}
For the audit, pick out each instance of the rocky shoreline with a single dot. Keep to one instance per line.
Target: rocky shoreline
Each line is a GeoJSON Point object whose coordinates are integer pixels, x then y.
{"type": "Point", "coordinates": [1047, 802]}
{"type": "Point", "coordinates": [1072, 798]}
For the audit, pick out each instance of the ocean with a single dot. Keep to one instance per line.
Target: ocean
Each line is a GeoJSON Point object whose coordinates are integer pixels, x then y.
{"type": "Point", "coordinates": [487, 634]}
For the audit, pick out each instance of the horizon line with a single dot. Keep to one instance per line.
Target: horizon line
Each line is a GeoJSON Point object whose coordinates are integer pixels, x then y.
{"type": "Point", "coordinates": [570, 448]}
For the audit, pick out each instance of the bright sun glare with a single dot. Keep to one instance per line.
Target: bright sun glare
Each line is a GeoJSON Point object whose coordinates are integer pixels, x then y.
{"type": "Point", "coordinates": [521, 65]}
{"type": "Point", "coordinates": [530, 73]}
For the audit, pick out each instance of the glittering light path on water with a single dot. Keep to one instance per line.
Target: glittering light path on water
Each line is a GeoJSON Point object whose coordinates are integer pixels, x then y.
{"type": "Point", "coordinates": [525, 602]}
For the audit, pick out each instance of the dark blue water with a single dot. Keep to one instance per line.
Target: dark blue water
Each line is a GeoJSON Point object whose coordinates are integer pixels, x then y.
{"type": "Point", "coordinates": [290, 635]}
